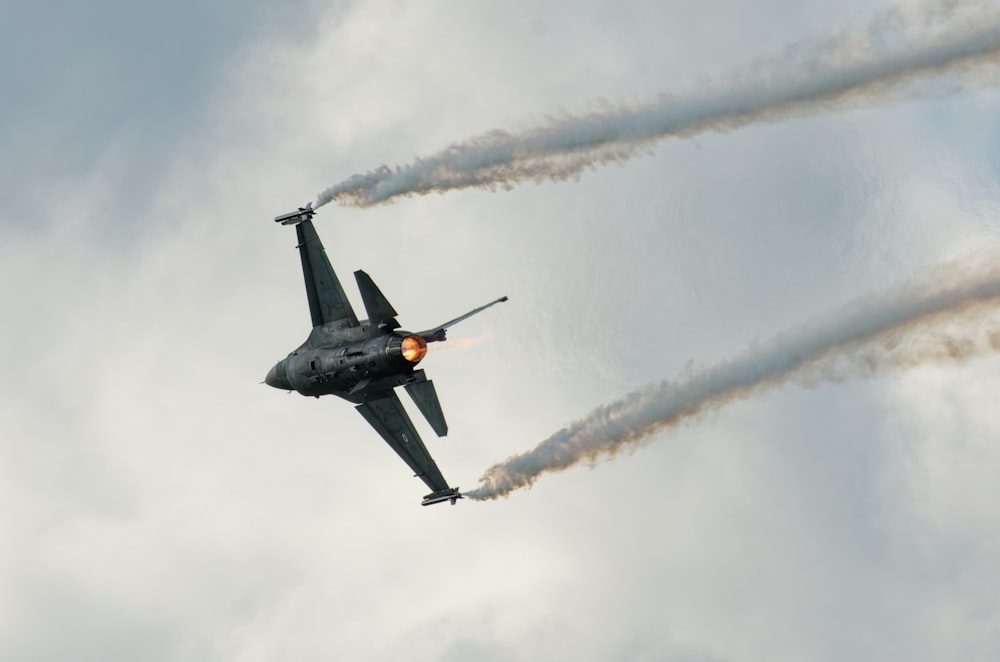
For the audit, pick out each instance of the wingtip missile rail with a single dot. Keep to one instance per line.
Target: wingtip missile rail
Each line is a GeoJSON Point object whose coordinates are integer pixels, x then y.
{"type": "Point", "coordinates": [301, 215]}
{"type": "Point", "coordinates": [451, 494]}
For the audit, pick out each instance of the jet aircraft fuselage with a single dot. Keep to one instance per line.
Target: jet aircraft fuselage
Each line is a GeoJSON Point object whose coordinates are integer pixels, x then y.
{"type": "Point", "coordinates": [344, 362]}
{"type": "Point", "coordinates": [364, 360]}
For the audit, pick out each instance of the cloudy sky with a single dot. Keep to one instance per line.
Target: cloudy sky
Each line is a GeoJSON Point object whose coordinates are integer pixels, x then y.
{"type": "Point", "coordinates": [158, 503]}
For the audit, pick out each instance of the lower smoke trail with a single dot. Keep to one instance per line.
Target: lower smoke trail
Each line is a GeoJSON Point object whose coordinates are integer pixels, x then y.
{"type": "Point", "coordinates": [947, 317]}
{"type": "Point", "coordinates": [964, 34]}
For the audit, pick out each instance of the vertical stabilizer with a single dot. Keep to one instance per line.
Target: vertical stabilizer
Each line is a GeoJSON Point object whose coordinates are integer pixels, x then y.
{"type": "Point", "coordinates": [380, 311]}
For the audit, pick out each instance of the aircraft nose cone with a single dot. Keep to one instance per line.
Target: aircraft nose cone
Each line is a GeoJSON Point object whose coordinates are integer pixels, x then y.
{"type": "Point", "coordinates": [276, 377]}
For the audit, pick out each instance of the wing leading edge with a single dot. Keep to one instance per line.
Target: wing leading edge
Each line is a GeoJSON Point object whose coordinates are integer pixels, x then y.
{"type": "Point", "coordinates": [327, 301]}
{"type": "Point", "coordinates": [386, 414]}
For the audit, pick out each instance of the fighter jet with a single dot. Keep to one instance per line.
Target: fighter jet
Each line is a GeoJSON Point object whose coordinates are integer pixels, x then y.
{"type": "Point", "coordinates": [363, 361]}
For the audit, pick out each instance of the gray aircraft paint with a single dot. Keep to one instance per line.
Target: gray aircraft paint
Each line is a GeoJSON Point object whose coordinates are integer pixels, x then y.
{"type": "Point", "coordinates": [363, 361]}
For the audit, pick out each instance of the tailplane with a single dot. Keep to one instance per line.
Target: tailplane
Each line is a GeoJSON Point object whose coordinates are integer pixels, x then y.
{"type": "Point", "coordinates": [426, 399]}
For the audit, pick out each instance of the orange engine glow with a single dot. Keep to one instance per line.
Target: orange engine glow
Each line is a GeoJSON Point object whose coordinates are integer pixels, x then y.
{"type": "Point", "coordinates": [414, 348]}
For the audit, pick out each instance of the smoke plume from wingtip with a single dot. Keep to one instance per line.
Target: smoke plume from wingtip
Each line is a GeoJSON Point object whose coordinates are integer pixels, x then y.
{"type": "Point", "coordinates": [952, 315]}
{"type": "Point", "coordinates": [858, 68]}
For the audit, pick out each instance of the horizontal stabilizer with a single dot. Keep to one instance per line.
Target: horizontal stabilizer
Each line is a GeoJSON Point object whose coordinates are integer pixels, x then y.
{"type": "Point", "coordinates": [380, 311]}
{"type": "Point", "coordinates": [426, 399]}
{"type": "Point", "coordinates": [438, 332]}
{"type": "Point", "coordinates": [451, 494]}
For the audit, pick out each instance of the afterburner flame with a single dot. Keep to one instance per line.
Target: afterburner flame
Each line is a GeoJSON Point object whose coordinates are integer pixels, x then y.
{"type": "Point", "coordinates": [414, 348]}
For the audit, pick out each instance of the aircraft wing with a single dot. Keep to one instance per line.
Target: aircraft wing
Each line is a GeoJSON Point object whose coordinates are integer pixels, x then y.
{"type": "Point", "coordinates": [327, 301]}
{"type": "Point", "coordinates": [385, 413]}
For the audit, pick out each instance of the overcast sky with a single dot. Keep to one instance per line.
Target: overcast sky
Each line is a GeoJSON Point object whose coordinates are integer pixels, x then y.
{"type": "Point", "coordinates": [158, 503]}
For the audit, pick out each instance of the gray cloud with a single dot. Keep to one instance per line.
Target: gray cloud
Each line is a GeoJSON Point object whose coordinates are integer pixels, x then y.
{"type": "Point", "coordinates": [850, 68]}
{"type": "Point", "coordinates": [156, 498]}
{"type": "Point", "coordinates": [113, 86]}
{"type": "Point", "coordinates": [902, 329]}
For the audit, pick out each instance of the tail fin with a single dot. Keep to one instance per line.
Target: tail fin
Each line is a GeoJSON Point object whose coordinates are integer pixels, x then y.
{"type": "Point", "coordinates": [380, 311]}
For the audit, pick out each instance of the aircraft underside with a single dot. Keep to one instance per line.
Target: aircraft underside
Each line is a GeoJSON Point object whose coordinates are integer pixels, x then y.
{"type": "Point", "coordinates": [363, 361]}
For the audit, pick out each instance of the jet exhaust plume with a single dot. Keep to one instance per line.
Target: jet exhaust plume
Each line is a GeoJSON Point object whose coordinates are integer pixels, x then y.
{"type": "Point", "coordinates": [952, 315]}
{"type": "Point", "coordinates": [849, 68]}
{"type": "Point", "coordinates": [462, 342]}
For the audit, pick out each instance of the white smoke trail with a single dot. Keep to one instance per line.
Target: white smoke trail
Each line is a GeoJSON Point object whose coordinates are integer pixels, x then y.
{"type": "Point", "coordinates": [945, 317]}
{"type": "Point", "coordinates": [849, 68]}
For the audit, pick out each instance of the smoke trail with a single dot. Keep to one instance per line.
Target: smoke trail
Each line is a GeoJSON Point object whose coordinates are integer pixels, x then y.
{"type": "Point", "coordinates": [842, 70]}
{"type": "Point", "coordinates": [945, 317]}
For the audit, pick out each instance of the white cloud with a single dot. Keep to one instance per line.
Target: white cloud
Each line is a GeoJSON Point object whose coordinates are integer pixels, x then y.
{"type": "Point", "coordinates": [159, 502]}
